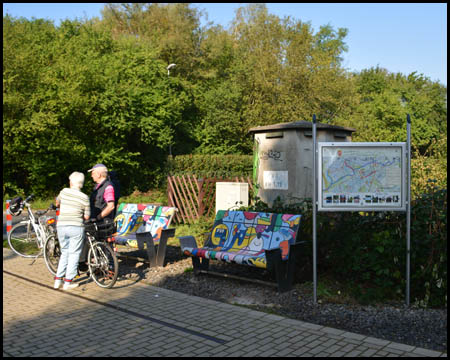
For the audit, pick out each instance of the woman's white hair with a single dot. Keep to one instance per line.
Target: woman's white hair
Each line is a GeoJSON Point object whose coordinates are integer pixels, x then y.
{"type": "Point", "coordinates": [77, 180]}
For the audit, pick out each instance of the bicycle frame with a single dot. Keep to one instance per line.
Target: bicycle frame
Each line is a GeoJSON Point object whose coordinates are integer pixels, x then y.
{"type": "Point", "coordinates": [91, 239]}
{"type": "Point", "coordinates": [38, 227]}
{"type": "Point", "coordinates": [37, 223]}
{"type": "Point", "coordinates": [99, 259]}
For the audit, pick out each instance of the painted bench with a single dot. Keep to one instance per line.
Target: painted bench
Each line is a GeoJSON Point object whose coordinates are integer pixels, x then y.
{"type": "Point", "coordinates": [143, 224]}
{"type": "Point", "coordinates": [262, 240]}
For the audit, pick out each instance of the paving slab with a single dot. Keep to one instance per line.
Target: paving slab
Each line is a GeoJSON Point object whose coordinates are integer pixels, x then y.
{"type": "Point", "coordinates": [137, 319]}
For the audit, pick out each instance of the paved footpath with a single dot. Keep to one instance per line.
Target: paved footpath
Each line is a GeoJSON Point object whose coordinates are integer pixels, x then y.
{"type": "Point", "coordinates": [136, 319]}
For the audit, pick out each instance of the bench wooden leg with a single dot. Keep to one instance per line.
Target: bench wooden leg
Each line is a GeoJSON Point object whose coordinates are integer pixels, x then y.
{"type": "Point", "coordinates": [161, 254]}
{"type": "Point", "coordinates": [284, 270]}
{"type": "Point", "coordinates": [148, 239]}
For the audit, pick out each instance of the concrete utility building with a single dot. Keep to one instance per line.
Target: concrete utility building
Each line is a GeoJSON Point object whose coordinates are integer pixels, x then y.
{"type": "Point", "coordinates": [283, 158]}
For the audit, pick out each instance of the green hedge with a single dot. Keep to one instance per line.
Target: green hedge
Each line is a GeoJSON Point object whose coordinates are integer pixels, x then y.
{"type": "Point", "coordinates": [211, 165]}
{"type": "Point", "coordinates": [368, 250]}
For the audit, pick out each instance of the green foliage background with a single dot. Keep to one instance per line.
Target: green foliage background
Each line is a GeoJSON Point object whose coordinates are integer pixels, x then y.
{"type": "Point", "coordinates": [211, 165]}
{"type": "Point", "coordinates": [90, 91]}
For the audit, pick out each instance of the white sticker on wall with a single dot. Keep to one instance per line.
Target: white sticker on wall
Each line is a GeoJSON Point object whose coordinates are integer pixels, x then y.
{"type": "Point", "coordinates": [276, 180]}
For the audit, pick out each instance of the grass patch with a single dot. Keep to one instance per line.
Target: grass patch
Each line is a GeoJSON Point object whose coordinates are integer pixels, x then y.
{"type": "Point", "coordinates": [200, 230]}
{"type": "Point", "coordinates": [154, 196]}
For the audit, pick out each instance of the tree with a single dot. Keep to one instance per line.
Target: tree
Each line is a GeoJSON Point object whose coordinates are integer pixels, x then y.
{"type": "Point", "coordinates": [173, 30]}
{"type": "Point", "coordinates": [98, 91]}
{"type": "Point", "coordinates": [386, 98]}
{"type": "Point", "coordinates": [222, 129]}
{"type": "Point", "coordinates": [91, 99]}
{"type": "Point", "coordinates": [285, 71]}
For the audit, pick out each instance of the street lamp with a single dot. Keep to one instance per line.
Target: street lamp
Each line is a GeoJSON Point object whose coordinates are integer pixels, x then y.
{"type": "Point", "coordinates": [170, 67]}
{"type": "Point", "coordinates": [168, 74]}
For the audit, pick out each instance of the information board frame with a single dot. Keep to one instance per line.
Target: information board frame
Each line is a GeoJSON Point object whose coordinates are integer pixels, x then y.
{"type": "Point", "coordinates": [363, 205]}
{"type": "Point", "coordinates": [407, 200]}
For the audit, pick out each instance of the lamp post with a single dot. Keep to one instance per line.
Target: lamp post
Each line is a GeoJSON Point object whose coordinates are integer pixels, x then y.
{"type": "Point", "coordinates": [168, 74]}
{"type": "Point", "coordinates": [170, 67]}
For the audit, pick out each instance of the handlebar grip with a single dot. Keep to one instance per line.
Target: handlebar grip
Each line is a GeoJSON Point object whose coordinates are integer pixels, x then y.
{"type": "Point", "coordinates": [29, 198]}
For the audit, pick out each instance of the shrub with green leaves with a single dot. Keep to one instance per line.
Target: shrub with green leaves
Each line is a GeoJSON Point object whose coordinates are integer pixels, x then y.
{"type": "Point", "coordinates": [211, 165]}
{"type": "Point", "coordinates": [74, 96]}
{"type": "Point", "coordinates": [368, 249]}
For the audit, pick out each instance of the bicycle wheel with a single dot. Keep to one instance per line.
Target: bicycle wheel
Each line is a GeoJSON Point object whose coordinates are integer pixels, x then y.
{"type": "Point", "coordinates": [22, 239]}
{"type": "Point", "coordinates": [52, 253]}
{"type": "Point", "coordinates": [103, 264]}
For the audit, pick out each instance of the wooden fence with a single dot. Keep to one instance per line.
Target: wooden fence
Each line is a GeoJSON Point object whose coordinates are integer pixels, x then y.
{"type": "Point", "coordinates": [195, 197]}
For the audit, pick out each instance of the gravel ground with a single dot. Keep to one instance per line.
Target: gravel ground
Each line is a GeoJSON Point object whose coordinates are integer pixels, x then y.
{"type": "Point", "coordinates": [425, 328]}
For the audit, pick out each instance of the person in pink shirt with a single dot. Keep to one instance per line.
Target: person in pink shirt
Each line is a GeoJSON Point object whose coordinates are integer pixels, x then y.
{"type": "Point", "coordinates": [102, 197]}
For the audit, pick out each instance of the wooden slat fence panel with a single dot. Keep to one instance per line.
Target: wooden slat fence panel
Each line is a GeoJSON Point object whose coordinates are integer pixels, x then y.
{"type": "Point", "coordinates": [195, 197]}
{"type": "Point", "coordinates": [174, 201]}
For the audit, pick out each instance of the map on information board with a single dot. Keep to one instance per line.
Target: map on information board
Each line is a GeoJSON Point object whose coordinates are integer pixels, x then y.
{"type": "Point", "coordinates": [361, 176]}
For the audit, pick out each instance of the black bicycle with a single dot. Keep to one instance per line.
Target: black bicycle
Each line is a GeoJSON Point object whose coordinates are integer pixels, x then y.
{"type": "Point", "coordinates": [101, 261]}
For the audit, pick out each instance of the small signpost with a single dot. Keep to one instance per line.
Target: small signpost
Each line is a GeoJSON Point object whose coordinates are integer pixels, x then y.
{"type": "Point", "coordinates": [362, 177]}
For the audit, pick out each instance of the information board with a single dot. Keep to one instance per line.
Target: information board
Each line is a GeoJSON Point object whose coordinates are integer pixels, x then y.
{"type": "Point", "coordinates": [361, 176]}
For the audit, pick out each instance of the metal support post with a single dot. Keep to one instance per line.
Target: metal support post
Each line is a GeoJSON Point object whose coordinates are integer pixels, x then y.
{"type": "Point", "coordinates": [408, 209]}
{"type": "Point", "coordinates": [314, 212]}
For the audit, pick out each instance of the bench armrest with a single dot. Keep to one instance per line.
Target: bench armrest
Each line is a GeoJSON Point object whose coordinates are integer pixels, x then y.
{"type": "Point", "coordinates": [187, 241]}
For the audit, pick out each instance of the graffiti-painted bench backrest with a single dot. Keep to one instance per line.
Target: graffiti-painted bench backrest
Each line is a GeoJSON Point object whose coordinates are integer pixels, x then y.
{"type": "Point", "coordinates": [243, 237]}
{"type": "Point", "coordinates": [139, 218]}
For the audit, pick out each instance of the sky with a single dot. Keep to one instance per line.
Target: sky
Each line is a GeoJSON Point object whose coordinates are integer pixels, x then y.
{"type": "Point", "coordinates": [400, 37]}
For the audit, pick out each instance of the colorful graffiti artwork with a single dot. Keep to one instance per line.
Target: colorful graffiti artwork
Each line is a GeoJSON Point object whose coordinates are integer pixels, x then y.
{"type": "Point", "coordinates": [242, 237]}
{"type": "Point", "coordinates": [139, 218]}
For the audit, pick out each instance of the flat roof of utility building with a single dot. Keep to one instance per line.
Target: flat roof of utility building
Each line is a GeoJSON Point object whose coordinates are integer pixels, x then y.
{"type": "Point", "coordinates": [307, 125]}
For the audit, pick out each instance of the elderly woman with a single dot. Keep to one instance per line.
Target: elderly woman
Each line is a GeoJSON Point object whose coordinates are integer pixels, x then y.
{"type": "Point", "coordinates": [74, 208]}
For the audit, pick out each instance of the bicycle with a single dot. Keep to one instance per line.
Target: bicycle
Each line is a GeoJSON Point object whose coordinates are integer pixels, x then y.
{"type": "Point", "coordinates": [102, 263]}
{"type": "Point", "coordinates": [27, 237]}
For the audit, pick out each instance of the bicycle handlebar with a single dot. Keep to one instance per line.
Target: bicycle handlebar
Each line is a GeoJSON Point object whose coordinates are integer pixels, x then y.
{"type": "Point", "coordinates": [40, 212]}
{"type": "Point", "coordinates": [99, 229]}
{"type": "Point", "coordinates": [29, 198]}
{"type": "Point", "coordinates": [25, 202]}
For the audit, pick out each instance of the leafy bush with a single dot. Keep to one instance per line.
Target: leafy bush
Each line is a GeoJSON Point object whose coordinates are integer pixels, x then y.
{"type": "Point", "coordinates": [211, 165]}
{"type": "Point", "coordinates": [199, 229]}
{"type": "Point", "coordinates": [430, 165]}
{"type": "Point", "coordinates": [368, 249]}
